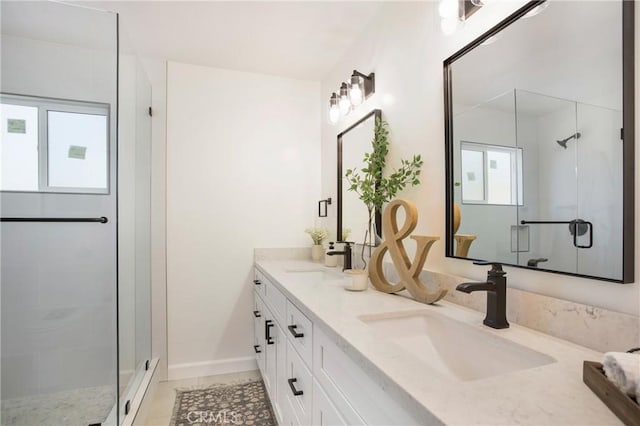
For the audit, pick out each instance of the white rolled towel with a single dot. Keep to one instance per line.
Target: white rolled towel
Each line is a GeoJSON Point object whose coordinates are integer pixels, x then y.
{"type": "Point", "coordinates": [623, 369]}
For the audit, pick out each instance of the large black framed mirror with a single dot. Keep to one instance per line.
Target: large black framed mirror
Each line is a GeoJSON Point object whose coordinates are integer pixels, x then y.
{"type": "Point", "coordinates": [539, 134]}
{"type": "Point", "coordinates": [352, 144]}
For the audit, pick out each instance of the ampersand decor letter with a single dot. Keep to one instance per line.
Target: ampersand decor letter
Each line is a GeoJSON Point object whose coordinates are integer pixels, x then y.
{"type": "Point", "coordinates": [409, 272]}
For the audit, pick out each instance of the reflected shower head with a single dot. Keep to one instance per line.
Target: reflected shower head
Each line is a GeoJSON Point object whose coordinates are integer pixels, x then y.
{"type": "Point", "coordinates": [563, 142]}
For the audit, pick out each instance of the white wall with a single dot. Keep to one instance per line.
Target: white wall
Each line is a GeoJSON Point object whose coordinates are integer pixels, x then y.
{"type": "Point", "coordinates": [243, 171]}
{"type": "Point", "coordinates": [405, 48]}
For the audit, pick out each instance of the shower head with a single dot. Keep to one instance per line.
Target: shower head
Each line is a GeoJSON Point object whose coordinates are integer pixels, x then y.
{"type": "Point", "coordinates": [563, 142]}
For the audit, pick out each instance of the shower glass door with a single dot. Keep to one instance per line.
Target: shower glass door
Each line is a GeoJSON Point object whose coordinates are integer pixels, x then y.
{"type": "Point", "coordinates": [546, 129]}
{"type": "Point", "coordinates": [58, 241]}
{"type": "Point", "coordinates": [572, 186]}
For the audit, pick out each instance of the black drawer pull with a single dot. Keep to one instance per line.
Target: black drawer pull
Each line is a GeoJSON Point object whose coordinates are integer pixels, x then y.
{"type": "Point", "coordinates": [295, 391]}
{"type": "Point", "coordinates": [257, 282]}
{"type": "Point", "coordinates": [255, 348]}
{"type": "Point", "coordinates": [267, 332]}
{"type": "Point", "coordinates": [292, 329]}
{"type": "Point", "coordinates": [256, 314]}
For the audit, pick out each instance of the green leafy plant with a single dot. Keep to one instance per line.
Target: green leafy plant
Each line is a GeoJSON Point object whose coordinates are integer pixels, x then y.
{"type": "Point", "coordinates": [317, 234]}
{"type": "Point", "coordinates": [372, 187]}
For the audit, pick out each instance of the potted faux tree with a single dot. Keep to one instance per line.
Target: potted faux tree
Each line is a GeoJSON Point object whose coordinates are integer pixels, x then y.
{"type": "Point", "coordinates": [372, 187]}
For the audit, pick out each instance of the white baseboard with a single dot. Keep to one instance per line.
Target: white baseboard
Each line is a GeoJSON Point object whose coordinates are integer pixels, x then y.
{"type": "Point", "coordinates": [211, 368]}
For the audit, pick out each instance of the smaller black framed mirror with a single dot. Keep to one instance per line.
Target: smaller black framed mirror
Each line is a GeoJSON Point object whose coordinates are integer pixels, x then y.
{"type": "Point", "coordinates": [352, 144]}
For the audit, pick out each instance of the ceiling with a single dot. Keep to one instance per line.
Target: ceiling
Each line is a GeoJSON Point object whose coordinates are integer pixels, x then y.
{"type": "Point", "coordinates": [296, 39]}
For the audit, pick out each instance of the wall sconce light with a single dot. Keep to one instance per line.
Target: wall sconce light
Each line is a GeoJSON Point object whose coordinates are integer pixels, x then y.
{"type": "Point", "coordinates": [351, 95]}
{"type": "Point", "coordinates": [334, 109]}
{"type": "Point", "coordinates": [454, 13]}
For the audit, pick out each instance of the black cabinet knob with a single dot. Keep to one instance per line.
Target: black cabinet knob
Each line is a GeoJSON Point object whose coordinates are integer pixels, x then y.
{"type": "Point", "coordinates": [256, 348]}
{"type": "Point", "coordinates": [256, 314]}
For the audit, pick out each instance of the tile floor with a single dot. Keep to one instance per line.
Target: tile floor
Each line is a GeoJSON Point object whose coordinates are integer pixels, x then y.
{"type": "Point", "coordinates": [161, 406]}
{"type": "Point", "coordinates": [71, 407]}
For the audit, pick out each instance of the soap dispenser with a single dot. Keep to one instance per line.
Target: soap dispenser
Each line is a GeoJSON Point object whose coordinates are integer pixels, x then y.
{"type": "Point", "coordinates": [331, 261]}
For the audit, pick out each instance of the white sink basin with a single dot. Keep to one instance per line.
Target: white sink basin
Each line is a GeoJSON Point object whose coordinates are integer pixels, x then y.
{"type": "Point", "coordinates": [457, 350]}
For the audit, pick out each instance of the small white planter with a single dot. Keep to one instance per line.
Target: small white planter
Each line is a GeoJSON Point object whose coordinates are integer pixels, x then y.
{"type": "Point", "coordinates": [317, 252]}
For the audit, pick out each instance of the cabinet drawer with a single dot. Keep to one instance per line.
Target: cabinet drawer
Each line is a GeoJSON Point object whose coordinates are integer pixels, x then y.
{"type": "Point", "coordinates": [288, 416]}
{"type": "Point", "coordinates": [300, 386]}
{"type": "Point", "coordinates": [351, 390]}
{"type": "Point", "coordinates": [300, 332]}
{"type": "Point", "coordinates": [258, 282]}
{"type": "Point", "coordinates": [276, 300]}
{"type": "Point", "coordinates": [324, 413]}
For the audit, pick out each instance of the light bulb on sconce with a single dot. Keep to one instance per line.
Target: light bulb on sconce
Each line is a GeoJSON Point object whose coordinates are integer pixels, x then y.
{"type": "Point", "coordinates": [355, 90]}
{"type": "Point", "coordinates": [344, 103]}
{"type": "Point", "coordinates": [351, 95]}
{"type": "Point", "coordinates": [334, 110]}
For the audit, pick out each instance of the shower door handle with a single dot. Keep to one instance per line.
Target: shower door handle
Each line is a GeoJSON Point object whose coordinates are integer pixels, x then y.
{"type": "Point", "coordinates": [101, 219]}
{"type": "Point", "coordinates": [575, 236]}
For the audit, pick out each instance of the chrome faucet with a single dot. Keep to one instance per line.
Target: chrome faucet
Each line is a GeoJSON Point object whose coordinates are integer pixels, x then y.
{"type": "Point", "coordinates": [346, 252]}
{"type": "Point", "coordinates": [496, 288]}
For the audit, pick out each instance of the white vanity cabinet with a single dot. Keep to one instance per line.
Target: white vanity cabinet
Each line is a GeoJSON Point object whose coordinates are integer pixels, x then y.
{"type": "Point", "coordinates": [270, 341]}
{"type": "Point", "coordinates": [258, 331]}
{"type": "Point", "coordinates": [309, 379]}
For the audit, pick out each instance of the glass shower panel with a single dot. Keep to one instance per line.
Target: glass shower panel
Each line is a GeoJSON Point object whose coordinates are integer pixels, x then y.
{"type": "Point", "coordinates": [546, 134]}
{"type": "Point", "coordinates": [143, 217]}
{"type": "Point", "coordinates": [599, 155]}
{"type": "Point", "coordinates": [135, 228]}
{"type": "Point", "coordinates": [484, 149]}
{"type": "Point", "coordinates": [58, 279]}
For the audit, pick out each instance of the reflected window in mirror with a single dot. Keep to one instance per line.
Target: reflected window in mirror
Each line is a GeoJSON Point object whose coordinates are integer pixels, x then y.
{"type": "Point", "coordinates": [490, 174]}
{"type": "Point", "coordinates": [539, 131]}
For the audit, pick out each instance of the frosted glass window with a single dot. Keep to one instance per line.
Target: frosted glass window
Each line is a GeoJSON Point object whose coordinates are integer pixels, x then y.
{"type": "Point", "coordinates": [499, 183]}
{"type": "Point", "coordinates": [491, 174]}
{"type": "Point", "coordinates": [472, 176]}
{"type": "Point", "coordinates": [19, 148]}
{"type": "Point", "coordinates": [50, 145]}
{"type": "Point", "coordinates": [77, 150]}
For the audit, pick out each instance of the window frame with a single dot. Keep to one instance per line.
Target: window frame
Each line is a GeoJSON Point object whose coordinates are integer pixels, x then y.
{"type": "Point", "coordinates": [44, 105]}
{"type": "Point", "coordinates": [517, 160]}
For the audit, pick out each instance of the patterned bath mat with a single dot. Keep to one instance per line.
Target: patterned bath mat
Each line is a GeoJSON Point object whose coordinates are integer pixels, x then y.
{"type": "Point", "coordinates": [243, 403]}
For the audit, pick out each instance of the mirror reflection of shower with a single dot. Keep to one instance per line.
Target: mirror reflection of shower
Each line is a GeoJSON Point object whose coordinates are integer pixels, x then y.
{"type": "Point", "coordinates": [563, 142]}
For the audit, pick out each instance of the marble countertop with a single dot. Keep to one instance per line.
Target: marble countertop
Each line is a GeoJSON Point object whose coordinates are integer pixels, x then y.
{"type": "Point", "coordinates": [552, 394]}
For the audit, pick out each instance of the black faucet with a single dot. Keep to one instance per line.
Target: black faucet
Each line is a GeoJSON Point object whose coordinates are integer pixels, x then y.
{"type": "Point", "coordinates": [534, 262]}
{"type": "Point", "coordinates": [496, 288]}
{"type": "Point", "coordinates": [346, 252]}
